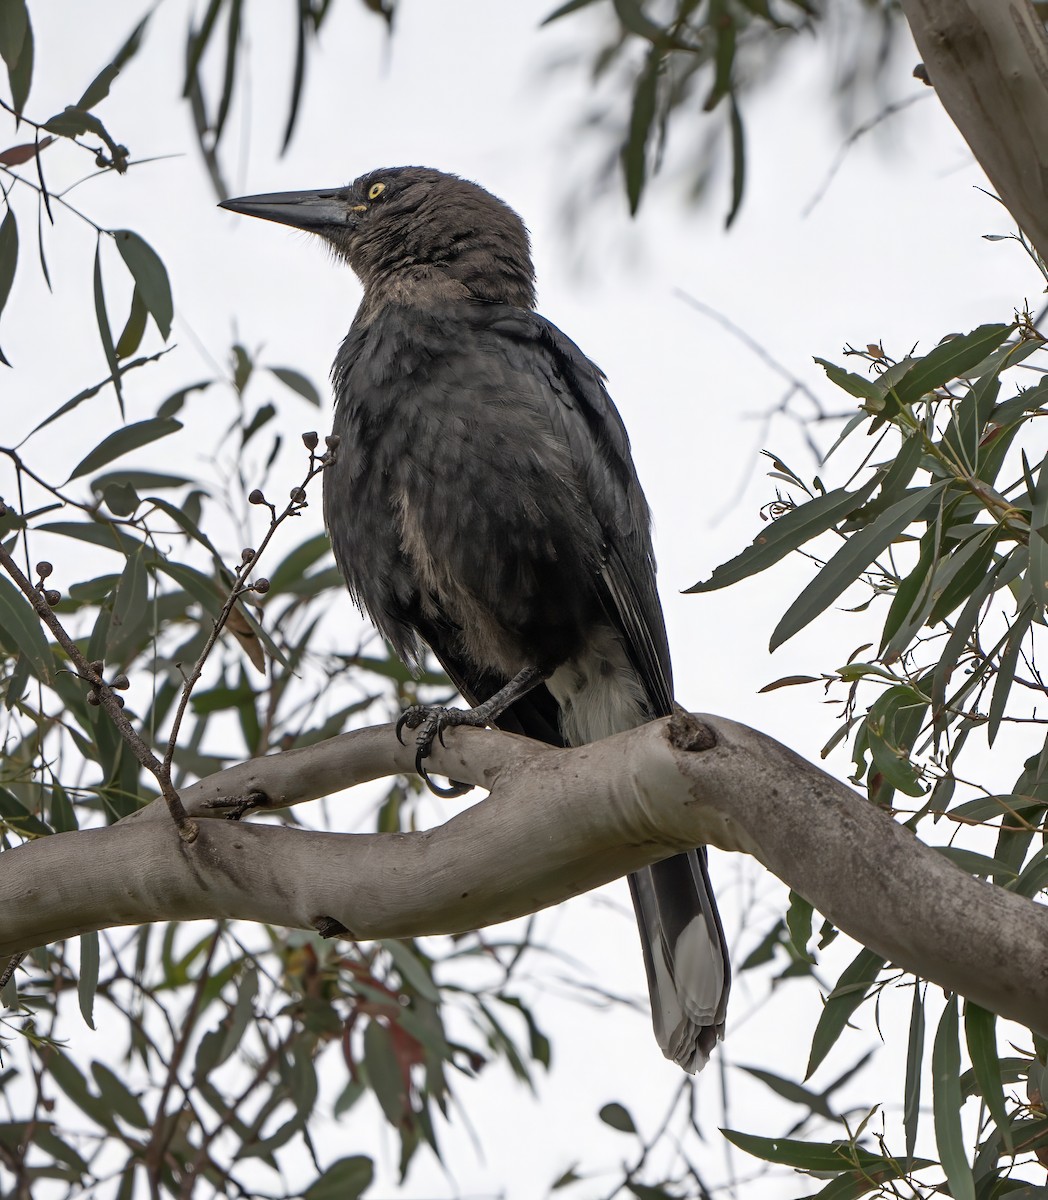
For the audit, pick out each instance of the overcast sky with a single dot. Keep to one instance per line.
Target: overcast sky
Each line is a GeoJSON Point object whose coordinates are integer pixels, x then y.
{"type": "Point", "coordinates": [892, 253]}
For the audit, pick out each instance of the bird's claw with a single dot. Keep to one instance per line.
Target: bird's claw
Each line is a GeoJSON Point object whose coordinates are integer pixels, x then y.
{"type": "Point", "coordinates": [431, 721]}
{"type": "Point", "coordinates": [417, 715]}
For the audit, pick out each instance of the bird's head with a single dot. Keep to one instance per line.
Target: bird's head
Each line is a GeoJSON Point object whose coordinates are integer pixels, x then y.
{"type": "Point", "coordinates": [411, 232]}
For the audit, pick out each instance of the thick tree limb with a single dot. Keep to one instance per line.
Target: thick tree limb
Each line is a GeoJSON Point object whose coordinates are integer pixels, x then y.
{"type": "Point", "coordinates": [988, 62]}
{"type": "Point", "coordinates": [557, 823]}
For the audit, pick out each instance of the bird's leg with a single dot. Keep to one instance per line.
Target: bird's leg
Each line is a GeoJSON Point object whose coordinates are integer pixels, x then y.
{"type": "Point", "coordinates": [432, 719]}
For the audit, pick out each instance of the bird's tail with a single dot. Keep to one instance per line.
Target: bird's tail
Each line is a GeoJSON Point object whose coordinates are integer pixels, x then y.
{"type": "Point", "coordinates": [685, 955]}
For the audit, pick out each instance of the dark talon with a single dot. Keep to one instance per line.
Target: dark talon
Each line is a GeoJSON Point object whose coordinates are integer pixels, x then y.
{"type": "Point", "coordinates": [430, 724]}
{"type": "Point", "coordinates": [400, 725]}
{"type": "Point", "coordinates": [450, 793]}
{"type": "Point", "coordinates": [420, 769]}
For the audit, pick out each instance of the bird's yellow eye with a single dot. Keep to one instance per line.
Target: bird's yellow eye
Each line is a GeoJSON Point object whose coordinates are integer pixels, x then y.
{"type": "Point", "coordinates": [376, 190]}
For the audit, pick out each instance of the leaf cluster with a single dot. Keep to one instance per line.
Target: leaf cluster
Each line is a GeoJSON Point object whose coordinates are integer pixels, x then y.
{"type": "Point", "coordinates": [944, 537]}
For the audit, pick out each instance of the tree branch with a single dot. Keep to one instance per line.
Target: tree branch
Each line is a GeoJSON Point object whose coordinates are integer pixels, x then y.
{"type": "Point", "coordinates": [988, 63]}
{"type": "Point", "coordinates": [557, 823]}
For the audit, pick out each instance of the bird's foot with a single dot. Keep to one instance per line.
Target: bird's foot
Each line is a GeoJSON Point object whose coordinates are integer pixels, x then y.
{"type": "Point", "coordinates": [431, 720]}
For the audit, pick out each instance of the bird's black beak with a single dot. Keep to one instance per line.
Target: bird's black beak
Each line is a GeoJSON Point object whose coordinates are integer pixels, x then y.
{"type": "Point", "coordinates": [316, 212]}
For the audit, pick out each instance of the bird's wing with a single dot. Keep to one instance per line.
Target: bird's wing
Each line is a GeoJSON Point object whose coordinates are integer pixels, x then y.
{"type": "Point", "coordinates": [598, 437]}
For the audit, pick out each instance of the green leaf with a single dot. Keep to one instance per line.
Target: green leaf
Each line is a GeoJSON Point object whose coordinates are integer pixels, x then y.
{"type": "Point", "coordinates": [198, 40]}
{"type": "Point", "coordinates": [263, 415]}
{"type": "Point", "coordinates": [964, 568]}
{"type": "Point", "coordinates": [1006, 671]}
{"type": "Point", "coordinates": [104, 330]}
{"type": "Point", "coordinates": [975, 863]}
{"type": "Point", "coordinates": [70, 1079]}
{"type": "Point", "coordinates": [189, 527]}
{"type": "Point", "coordinates": [1034, 876]}
{"type": "Point", "coordinates": [44, 1138]}
{"type": "Point", "coordinates": [1038, 571]}
{"type": "Point", "coordinates": [19, 620]}
{"type": "Point", "coordinates": [906, 614]}
{"type": "Point", "coordinates": [815, 1156]}
{"type": "Point", "coordinates": [346, 1179]}
{"type": "Point", "coordinates": [8, 255]}
{"type": "Point", "coordinates": [890, 729]}
{"type": "Point", "coordinates": [141, 480]}
{"type": "Point", "coordinates": [723, 26]}
{"type": "Point", "coordinates": [175, 402]}
{"type": "Point", "coordinates": [131, 612]}
{"type": "Point", "coordinates": [16, 49]}
{"type": "Point", "coordinates": [297, 382]}
{"type": "Point", "coordinates": [539, 1043]}
{"type": "Point", "coordinates": [569, 7]}
{"type": "Point", "coordinates": [123, 441]}
{"type": "Point", "coordinates": [87, 984]}
{"type": "Point", "coordinates": [914, 1062]}
{"type": "Point", "coordinates": [787, 533]}
{"type": "Point", "coordinates": [150, 277]}
{"type": "Point", "coordinates": [14, 25]}
{"type": "Point", "coordinates": [988, 808]}
{"type": "Point", "coordinates": [412, 970]}
{"type": "Point", "coordinates": [134, 328]}
{"type": "Point", "coordinates": [349, 1095]}
{"type": "Point", "coordinates": [946, 1105]}
{"type": "Point", "coordinates": [850, 1186]}
{"type": "Point", "coordinates": [87, 393]}
{"type": "Point", "coordinates": [96, 533]}
{"type": "Point", "coordinates": [21, 79]}
{"type": "Point", "coordinates": [738, 157]}
{"type": "Point", "coordinates": [118, 1096]}
{"type": "Point", "coordinates": [855, 385]}
{"type": "Point", "coordinates": [201, 587]}
{"type": "Point", "coordinates": [503, 1044]}
{"type": "Point", "coordinates": [951, 359]}
{"type": "Point", "coordinates": [15, 815]}
{"type": "Point", "coordinates": [798, 924]}
{"type": "Point", "coordinates": [17, 682]}
{"type": "Point", "coordinates": [98, 88]}
{"type": "Point", "coordinates": [618, 1117]}
{"type": "Point", "coordinates": [642, 117]}
{"type": "Point", "coordinates": [900, 472]}
{"type": "Point", "coordinates": [848, 993]}
{"type": "Point", "coordinates": [794, 1092]}
{"type": "Point", "coordinates": [967, 427]}
{"type": "Point", "coordinates": [232, 40]}
{"type": "Point", "coordinates": [240, 1017]}
{"type": "Point", "coordinates": [851, 560]}
{"type": "Point", "coordinates": [295, 565]}
{"type": "Point", "coordinates": [980, 1034]}
{"type": "Point", "coordinates": [383, 1073]}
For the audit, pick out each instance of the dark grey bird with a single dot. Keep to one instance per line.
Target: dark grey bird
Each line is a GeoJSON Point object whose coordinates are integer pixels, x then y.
{"type": "Point", "coordinates": [484, 503]}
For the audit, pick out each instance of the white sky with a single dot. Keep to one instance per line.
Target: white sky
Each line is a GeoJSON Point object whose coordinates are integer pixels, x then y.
{"type": "Point", "coordinates": [893, 253]}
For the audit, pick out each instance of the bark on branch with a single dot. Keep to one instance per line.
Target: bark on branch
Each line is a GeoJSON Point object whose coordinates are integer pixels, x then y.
{"type": "Point", "coordinates": [556, 823]}
{"type": "Point", "coordinates": [988, 63]}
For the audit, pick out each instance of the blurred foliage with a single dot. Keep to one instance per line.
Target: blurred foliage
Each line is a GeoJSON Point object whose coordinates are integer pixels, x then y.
{"type": "Point", "coordinates": [686, 69]}
{"type": "Point", "coordinates": [945, 537]}
{"type": "Point", "coordinates": [225, 1034]}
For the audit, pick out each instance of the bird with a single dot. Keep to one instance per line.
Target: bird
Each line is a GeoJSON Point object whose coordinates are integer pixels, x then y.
{"type": "Point", "coordinates": [484, 503]}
